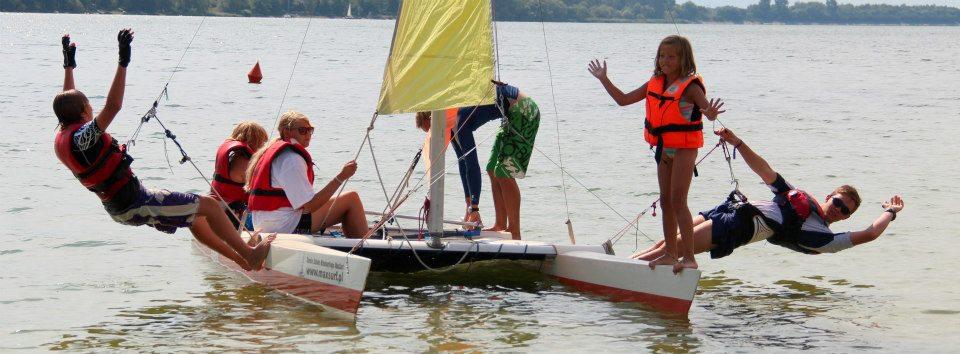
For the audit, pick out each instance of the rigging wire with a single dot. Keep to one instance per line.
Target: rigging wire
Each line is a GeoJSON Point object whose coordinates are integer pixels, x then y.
{"type": "Point", "coordinates": [556, 112]}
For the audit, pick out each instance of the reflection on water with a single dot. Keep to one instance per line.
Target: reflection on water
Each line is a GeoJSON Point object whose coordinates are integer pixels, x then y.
{"type": "Point", "coordinates": [250, 317]}
{"type": "Point", "coordinates": [788, 314]}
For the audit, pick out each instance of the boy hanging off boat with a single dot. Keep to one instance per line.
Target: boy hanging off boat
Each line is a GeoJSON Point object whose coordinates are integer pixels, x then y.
{"type": "Point", "coordinates": [794, 219]}
{"type": "Point", "coordinates": [103, 166]}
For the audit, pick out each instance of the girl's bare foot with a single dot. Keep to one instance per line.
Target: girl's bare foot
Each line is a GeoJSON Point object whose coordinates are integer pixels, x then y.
{"type": "Point", "coordinates": [686, 262]}
{"type": "Point", "coordinates": [254, 239]}
{"type": "Point", "coordinates": [514, 232]}
{"type": "Point", "coordinates": [261, 251]}
{"type": "Point", "coordinates": [474, 217]}
{"type": "Point", "coordinates": [664, 259]}
{"type": "Point", "coordinates": [496, 227]}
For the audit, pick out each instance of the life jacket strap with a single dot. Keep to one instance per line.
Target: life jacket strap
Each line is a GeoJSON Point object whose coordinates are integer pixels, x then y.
{"type": "Point", "coordinates": [220, 178]}
{"type": "Point", "coordinates": [269, 192]}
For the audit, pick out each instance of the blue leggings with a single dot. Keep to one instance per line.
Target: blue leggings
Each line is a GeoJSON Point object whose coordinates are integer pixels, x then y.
{"type": "Point", "coordinates": [469, 119]}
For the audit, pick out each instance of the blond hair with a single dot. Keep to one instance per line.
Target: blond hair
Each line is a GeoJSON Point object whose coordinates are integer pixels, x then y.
{"type": "Point", "coordinates": [250, 133]}
{"type": "Point", "coordinates": [688, 65]}
{"type": "Point", "coordinates": [287, 121]}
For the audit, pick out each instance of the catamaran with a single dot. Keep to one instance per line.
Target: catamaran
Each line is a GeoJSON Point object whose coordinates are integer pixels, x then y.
{"type": "Point", "coordinates": [442, 56]}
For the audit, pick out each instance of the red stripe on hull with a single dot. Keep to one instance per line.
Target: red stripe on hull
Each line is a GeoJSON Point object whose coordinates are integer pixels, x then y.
{"type": "Point", "coordinates": [337, 297]}
{"type": "Point", "coordinates": [659, 302]}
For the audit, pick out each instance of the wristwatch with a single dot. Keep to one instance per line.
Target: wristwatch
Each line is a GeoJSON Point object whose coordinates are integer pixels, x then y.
{"type": "Point", "coordinates": [891, 211]}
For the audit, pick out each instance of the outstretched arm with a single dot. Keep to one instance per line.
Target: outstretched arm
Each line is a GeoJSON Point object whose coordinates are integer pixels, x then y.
{"type": "Point", "coordinates": [115, 96]}
{"type": "Point", "coordinates": [756, 163]}
{"type": "Point", "coordinates": [599, 70]}
{"type": "Point", "coordinates": [875, 229]}
{"type": "Point", "coordinates": [69, 61]}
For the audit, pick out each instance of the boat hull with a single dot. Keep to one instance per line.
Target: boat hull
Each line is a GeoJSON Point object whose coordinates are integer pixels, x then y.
{"type": "Point", "coordinates": [624, 279]}
{"type": "Point", "coordinates": [331, 279]}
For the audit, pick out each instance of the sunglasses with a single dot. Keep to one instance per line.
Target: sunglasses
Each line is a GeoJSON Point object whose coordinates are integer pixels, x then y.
{"type": "Point", "coordinates": [303, 130]}
{"type": "Point", "coordinates": [840, 205]}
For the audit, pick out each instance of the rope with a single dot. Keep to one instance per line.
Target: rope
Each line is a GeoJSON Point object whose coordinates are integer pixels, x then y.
{"type": "Point", "coordinates": [553, 95]}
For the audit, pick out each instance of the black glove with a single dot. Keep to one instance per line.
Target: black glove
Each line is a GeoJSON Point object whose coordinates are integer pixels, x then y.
{"type": "Point", "coordinates": [69, 52]}
{"type": "Point", "coordinates": [124, 38]}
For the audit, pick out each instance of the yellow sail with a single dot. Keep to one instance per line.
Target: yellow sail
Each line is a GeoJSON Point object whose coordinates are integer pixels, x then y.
{"type": "Point", "coordinates": [441, 57]}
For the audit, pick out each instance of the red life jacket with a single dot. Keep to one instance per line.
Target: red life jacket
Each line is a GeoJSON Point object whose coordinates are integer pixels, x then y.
{"type": "Point", "coordinates": [231, 191]}
{"type": "Point", "coordinates": [107, 173]}
{"type": "Point", "coordinates": [262, 195]}
{"type": "Point", "coordinates": [665, 125]}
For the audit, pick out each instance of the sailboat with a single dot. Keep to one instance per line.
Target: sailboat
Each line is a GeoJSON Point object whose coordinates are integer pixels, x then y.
{"type": "Point", "coordinates": [442, 56]}
{"type": "Point", "coordinates": [349, 11]}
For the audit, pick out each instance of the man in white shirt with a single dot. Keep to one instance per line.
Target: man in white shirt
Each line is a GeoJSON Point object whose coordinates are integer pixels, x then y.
{"type": "Point", "coordinates": [281, 187]}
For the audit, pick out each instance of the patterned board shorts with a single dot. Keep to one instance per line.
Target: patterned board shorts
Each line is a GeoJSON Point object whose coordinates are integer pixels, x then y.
{"type": "Point", "coordinates": [514, 145]}
{"type": "Point", "coordinates": [161, 209]}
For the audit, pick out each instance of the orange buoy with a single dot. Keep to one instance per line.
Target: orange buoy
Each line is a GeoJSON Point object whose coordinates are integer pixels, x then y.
{"type": "Point", "coordinates": [255, 75]}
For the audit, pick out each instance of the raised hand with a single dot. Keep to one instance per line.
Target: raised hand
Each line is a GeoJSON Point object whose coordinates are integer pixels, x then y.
{"type": "Point", "coordinates": [348, 170]}
{"type": "Point", "coordinates": [69, 52]}
{"type": "Point", "coordinates": [895, 203]}
{"type": "Point", "coordinates": [598, 68]}
{"type": "Point", "coordinates": [713, 110]}
{"type": "Point", "coordinates": [728, 136]}
{"type": "Point", "coordinates": [124, 37]}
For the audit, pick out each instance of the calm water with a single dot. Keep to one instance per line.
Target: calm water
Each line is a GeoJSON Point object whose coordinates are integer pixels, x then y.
{"type": "Point", "coordinates": [871, 106]}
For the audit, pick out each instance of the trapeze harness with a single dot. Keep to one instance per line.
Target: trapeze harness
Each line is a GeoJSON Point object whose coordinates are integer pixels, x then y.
{"type": "Point", "coordinates": [795, 206]}
{"type": "Point", "coordinates": [231, 191]}
{"type": "Point", "coordinates": [107, 173]}
{"type": "Point", "coordinates": [263, 196]}
{"type": "Point", "coordinates": [665, 125]}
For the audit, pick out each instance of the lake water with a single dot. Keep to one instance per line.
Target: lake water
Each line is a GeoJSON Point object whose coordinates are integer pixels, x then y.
{"type": "Point", "coordinates": [875, 107]}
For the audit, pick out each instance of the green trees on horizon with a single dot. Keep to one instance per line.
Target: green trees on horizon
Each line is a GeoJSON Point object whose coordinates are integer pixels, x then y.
{"type": "Point", "coordinates": [764, 11]}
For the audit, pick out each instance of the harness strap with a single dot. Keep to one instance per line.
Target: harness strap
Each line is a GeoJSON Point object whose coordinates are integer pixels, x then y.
{"type": "Point", "coordinates": [272, 193]}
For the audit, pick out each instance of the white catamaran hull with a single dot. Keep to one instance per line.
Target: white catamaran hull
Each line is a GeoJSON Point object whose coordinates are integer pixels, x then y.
{"type": "Point", "coordinates": [624, 279]}
{"type": "Point", "coordinates": [329, 278]}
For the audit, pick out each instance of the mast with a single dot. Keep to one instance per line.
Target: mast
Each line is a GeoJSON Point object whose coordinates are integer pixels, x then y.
{"type": "Point", "coordinates": [438, 125]}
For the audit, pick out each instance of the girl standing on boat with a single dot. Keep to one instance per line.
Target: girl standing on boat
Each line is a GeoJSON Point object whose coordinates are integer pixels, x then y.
{"type": "Point", "coordinates": [676, 101]}
{"type": "Point", "coordinates": [509, 158]}
{"type": "Point", "coordinates": [103, 167]}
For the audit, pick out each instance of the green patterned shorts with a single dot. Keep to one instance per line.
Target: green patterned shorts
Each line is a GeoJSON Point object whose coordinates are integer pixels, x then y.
{"type": "Point", "coordinates": [514, 145]}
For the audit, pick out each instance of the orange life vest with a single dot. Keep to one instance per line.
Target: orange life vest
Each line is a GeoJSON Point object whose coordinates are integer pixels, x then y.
{"type": "Point", "coordinates": [665, 126]}
{"type": "Point", "coordinates": [231, 191]}
{"type": "Point", "coordinates": [262, 195]}
{"type": "Point", "coordinates": [107, 173]}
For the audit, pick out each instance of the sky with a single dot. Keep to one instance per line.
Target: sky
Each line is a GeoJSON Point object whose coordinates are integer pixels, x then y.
{"type": "Point", "coordinates": [745, 3]}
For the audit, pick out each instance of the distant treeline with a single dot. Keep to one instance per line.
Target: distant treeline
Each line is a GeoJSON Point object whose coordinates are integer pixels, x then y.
{"type": "Point", "coordinates": [524, 10]}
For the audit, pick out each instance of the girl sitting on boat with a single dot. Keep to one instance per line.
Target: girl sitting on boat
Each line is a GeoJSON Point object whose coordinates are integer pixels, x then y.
{"type": "Point", "coordinates": [280, 182]}
{"type": "Point", "coordinates": [229, 174]}
{"type": "Point", "coordinates": [103, 167]}
{"type": "Point", "coordinates": [793, 219]}
{"type": "Point", "coordinates": [509, 158]}
{"type": "Point", "coordinates": [676, 101]}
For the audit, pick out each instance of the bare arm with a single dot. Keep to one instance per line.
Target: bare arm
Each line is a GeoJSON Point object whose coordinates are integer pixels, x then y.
{"type": "Point", "coordinates": [324, 195]}
{"type": "Point", "coordinates": [115, 96]}
{"type": "Point", "coordinates": [114, 99]}
{"type": "Point", "coordinates": [238, 169]}
{"type": "Point", "coordinates": [756, 163]}
{"type": "Point", "coordinates": [69, 62]}
{"type": "Point", "coordinates": [711, 109]}
{"type": "Point", "coordinates": [879, 225]}
{"type": "Point", "coordinates": [599, 70]}
{"type": "Point", "coordinates": [68, 79]}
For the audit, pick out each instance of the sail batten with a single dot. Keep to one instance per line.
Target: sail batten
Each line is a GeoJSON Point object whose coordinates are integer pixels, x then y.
{"type": "Point", "coordinates": [441, 57]}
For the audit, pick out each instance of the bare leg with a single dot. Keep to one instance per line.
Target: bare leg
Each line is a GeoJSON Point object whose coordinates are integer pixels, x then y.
{"type": "Point", "coordinates": [511, 204]}
{"type": "Point", "coordinates": [669, 255]}
{"type": "Point", "coordinates": [646, 254]}
{"type": "Point", "coordinates": [500, 223]}
{"type": "Point", "coordinates": [702, 236]}
{"type": "Point", "coordinates": [347, 210]}
{"type": "Point", "coordinates": [203, 233]}
{"type": "Point", "coordinates": [225, 233]}
{"type": "Point", "coordinates": [682, 175]}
